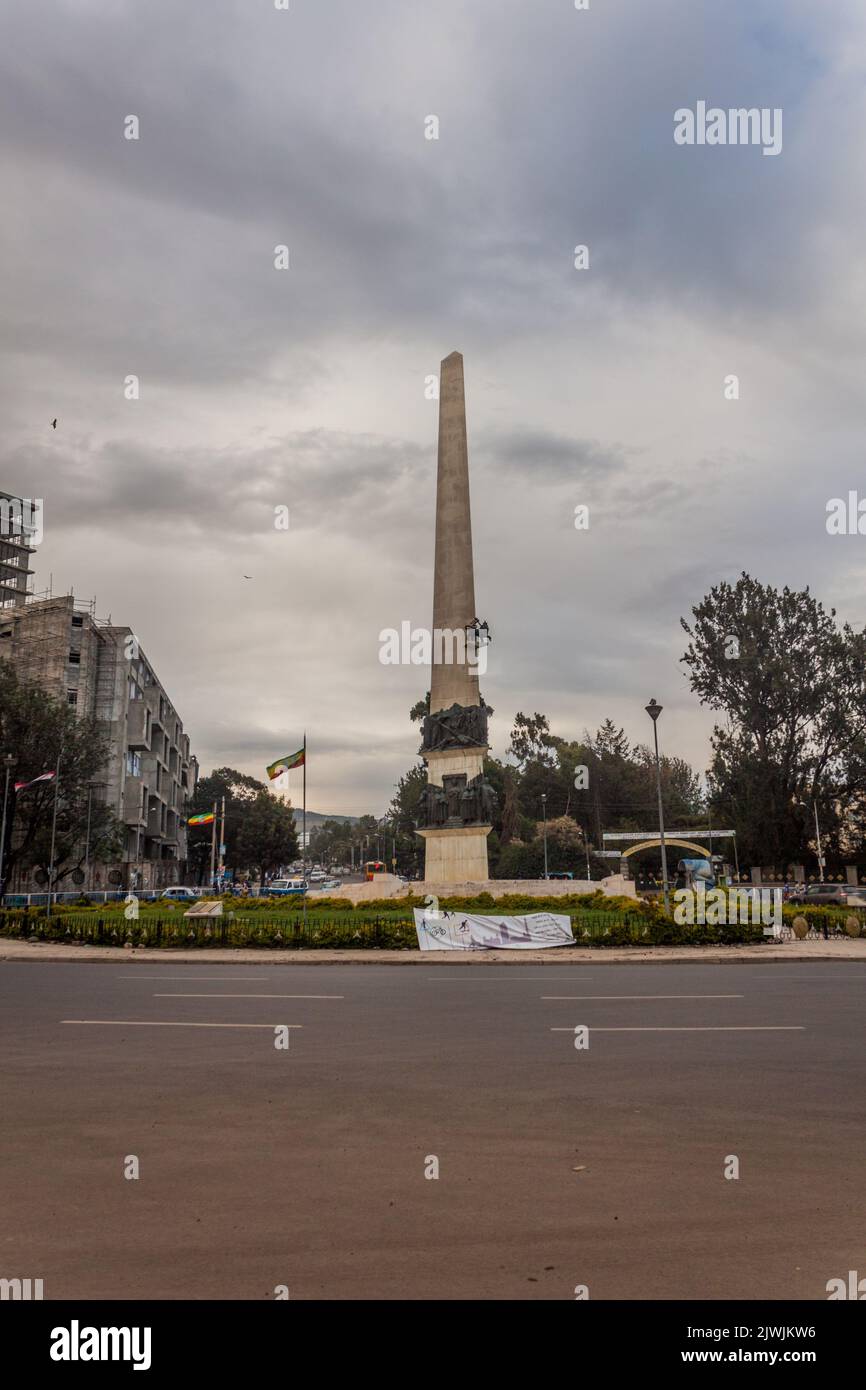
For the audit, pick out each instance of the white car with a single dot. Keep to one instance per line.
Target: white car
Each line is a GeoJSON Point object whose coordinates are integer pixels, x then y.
{"type": "Point", "coordinates": [181, 894]}
{"type": "Point", "coordinates": [285, 888]}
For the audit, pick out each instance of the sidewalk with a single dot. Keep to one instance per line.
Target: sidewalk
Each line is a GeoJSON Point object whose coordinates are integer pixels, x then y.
{"type": "Point", "coordinates": [847, 949]}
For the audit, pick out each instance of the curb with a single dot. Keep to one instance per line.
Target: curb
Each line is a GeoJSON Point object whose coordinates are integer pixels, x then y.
{"type": "Point", "coordinates": [35, 953]}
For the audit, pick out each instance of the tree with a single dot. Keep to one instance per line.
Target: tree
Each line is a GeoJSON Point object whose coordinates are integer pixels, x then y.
{"type": "Point", "coordinates": [240, 791]}
{"type": "Point", "coordinates": [565, 852]}
{"type": "Point", "coordinates": [790, 682]}
{"type": "Point", "coordinates": [267, 837]}
{"type": "Point", "coordinates": [531, 740]}
{"type": "Point", "coordinates": [38, 731]}
{"type": "Point", "coordinates": [420, 710]}
{"type": "Point", "coordinates": [403, 814]}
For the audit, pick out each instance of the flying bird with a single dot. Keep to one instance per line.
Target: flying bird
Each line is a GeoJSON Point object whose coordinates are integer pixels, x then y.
{"type": "Point", "coordinates": [247, 576]}
{"type": "Point", "coordinates": [54, 424]}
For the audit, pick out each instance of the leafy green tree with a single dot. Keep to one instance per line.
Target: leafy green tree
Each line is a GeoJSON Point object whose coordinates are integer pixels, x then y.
{"type": "Point", "coordinates": [403, 814]}
{"type": "Point", "coordinates": [420, 710]}
{"type": "Point", "coordinates": [267, 837]}
{"type": "Point", "coordinates": [40, 733]}
{"type": "Point", "coordinates": [240, 791]}
{"type": "Point", "coordinates": [790, 682]}
{"type": "Point", "coordinates": [531, 740]}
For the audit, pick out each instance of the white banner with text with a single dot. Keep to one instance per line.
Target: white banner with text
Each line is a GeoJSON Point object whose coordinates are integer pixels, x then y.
{"type": "Point", "coordinates": [463, 931]}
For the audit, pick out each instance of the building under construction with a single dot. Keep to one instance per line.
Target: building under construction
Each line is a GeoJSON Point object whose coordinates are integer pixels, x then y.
{"type": "Point", "coordinates": [59, 645]}
{"type": "Point", "coordinates": [20, 530]}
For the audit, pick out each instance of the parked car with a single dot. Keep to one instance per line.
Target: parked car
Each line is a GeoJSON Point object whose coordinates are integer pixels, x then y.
{"type": "Point", "coordinates": [823, 895]}
{"type": "Point", "coordinates": [181, 894]}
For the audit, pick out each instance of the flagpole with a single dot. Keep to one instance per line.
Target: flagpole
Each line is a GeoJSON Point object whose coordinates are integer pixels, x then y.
{"type": "Point", "coordinates": [9, 761]}
{"type": "Point", "coordinates": [213, 848]}
{"type": "Point", "coordinates": [222, 839]}
{"type": "Point", "coordinates": [304, 834]}
{"type": "Point", "coordinates": [53, 832]}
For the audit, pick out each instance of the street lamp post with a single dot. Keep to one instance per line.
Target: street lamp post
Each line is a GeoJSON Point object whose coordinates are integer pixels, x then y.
{"type": "Point", "coordinates": [8, 760]}
{"type": "Point", "coordinates": [544, 813]}
{"type": "Point", "coordinates": [817, 835]}
{"type": "Point", "coordinates": [90, 786]}
{"type": "Point", "coordinates": [654, 709]}
{"type": "Point", "coordinates": [54, 829]}
{"type": "Point", "coordinates": [818, 840]}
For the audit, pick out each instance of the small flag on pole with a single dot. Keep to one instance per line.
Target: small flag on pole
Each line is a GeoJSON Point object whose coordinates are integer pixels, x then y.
{"type": "Point", "coordinates": [284, 764]}
{"type": "Point", "coordinates": [44, 777]}
{"type": "Point", "coordinates": [206, 819]}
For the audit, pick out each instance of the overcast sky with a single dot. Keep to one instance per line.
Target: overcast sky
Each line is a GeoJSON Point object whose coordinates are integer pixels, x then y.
{"type": "Point", "coordinates": [306, 387]}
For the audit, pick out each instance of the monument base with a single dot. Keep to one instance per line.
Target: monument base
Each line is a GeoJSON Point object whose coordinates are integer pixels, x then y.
{"type": "Point", "coordinates": [455, 854]}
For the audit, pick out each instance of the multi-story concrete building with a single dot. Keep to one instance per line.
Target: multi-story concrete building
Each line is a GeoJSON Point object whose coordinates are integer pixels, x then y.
{"type": "Point", "coordinates": [19, 527]}
{"type": "Point", "coordinates": [58, 644]}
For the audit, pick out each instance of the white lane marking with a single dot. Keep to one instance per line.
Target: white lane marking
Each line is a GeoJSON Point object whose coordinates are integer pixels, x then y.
{"type": "Point", "coordinates": [802, 976]}
{"type": "Point", "coordinates": [494, 979]}
{"type": "Point", "coordinates": [211, 979]}
{"type": "Point", "coordinates": [767, 1028]}
{"type": "Point", "coordinates": [157, 1023]}
{"type": "Point", "coordinates": [643, 996]}
{"type": "Point", "coordinates": [248, 996]}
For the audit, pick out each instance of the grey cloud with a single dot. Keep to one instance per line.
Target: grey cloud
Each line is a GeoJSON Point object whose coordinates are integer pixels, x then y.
{"type": "Point", "coordinates": [260, 128]}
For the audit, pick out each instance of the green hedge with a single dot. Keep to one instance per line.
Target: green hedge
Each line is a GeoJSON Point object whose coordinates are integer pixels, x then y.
{"type": "Point", "coordinates": [358, 930]}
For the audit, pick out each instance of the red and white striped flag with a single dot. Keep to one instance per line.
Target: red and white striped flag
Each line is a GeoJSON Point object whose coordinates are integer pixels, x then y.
{"type": "Point", "coordinates": [44, 777]}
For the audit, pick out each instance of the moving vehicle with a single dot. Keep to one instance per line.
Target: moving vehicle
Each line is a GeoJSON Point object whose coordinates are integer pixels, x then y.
{"type": "Point", "coordinates": [182, 894]}
{"type": "Point", "coordinates": [285, 887]}
{"type": "Point", "coordinates": [824, 895]}
{"type": "Point", "coordinates": [372, 868]}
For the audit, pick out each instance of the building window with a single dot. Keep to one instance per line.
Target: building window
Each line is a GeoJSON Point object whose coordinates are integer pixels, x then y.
{"type": "Point", "coordinates": [72, 697]}
{"type": "Point", "coordinates": [133, 763]}
{"type": "Point", "coordinates": [77, 620]}
{"type": "Point", "coordinates": [75, 658]}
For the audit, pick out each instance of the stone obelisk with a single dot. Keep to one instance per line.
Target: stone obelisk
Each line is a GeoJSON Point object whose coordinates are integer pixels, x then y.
{"type": "Point", "coordinates": [457, 803]}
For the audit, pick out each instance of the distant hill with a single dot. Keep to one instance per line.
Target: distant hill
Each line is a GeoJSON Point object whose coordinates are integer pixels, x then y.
{"type": "Point", "coordinates": [316, 818]}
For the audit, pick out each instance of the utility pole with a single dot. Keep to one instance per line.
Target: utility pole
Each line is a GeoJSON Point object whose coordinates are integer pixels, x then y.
{"type": "Point", "coordinates": [544, 813]}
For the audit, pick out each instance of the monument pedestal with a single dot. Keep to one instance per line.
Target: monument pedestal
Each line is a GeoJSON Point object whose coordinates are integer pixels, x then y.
{"type": "Point", "coordinates": [455, 854]}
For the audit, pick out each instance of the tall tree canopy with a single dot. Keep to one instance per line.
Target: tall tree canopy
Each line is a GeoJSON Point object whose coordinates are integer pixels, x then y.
{"type": "Point", "coordinates": [38, 732]}
{"type": "Point", "coordinates": [789, 680]}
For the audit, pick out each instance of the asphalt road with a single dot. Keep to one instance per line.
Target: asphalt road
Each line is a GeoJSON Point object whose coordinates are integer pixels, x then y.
{"type": "Point", "coordinates": [558, 1167]}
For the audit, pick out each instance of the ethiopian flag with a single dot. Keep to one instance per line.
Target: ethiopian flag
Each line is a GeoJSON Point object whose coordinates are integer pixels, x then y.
{"type": "Point", "coordinates": [284, 764]}
{"type": "Point", "coordinates": [206, 819]}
